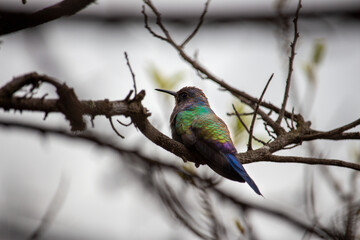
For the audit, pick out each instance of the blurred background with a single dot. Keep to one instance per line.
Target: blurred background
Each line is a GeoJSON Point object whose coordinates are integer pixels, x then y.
{"type": "Point", "coordinates": [241, 42]}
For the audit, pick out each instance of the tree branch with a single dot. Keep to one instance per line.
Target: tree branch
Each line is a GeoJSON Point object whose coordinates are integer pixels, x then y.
{"type": "Point", "coordinates": [244, 125]}
{"type": "Point", "coordinates": [255, 113]}
{"type": "Point", "coordinates": [336, 133]}
{"type": "Point", "coordinates": [114, 128]}
{"type": "Point", "coordinates": [73, 109]}
{"type": "Point", "coordinates": [201, 20]}
{"type": "Point", "coordinates": [68, 103]}
{"type": "Point", "coordinates": [139, 116]}
{"type": "Point", "coordinates": [61, 9]}
{"type": "Point", "coordinates": [291, 63]}
{"type": "Point", "coordinates": [131, 71]}
{"type": "Point", "coordinates": [312, 161]}
{"type": "Point", "coordinates": [322, 233]}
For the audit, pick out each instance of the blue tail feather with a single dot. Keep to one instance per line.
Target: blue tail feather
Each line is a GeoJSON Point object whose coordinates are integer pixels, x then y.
{"type": "Point", "coordinates": [235, 164]}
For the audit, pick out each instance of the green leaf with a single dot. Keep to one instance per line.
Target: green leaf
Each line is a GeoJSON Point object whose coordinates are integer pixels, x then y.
{"type": "Point", "coordinates": [356, 154]}
{"type": "Point", "coordinates": [309, 71]}
{"type": "Point", "coordinates": [165, 82]}
{"type": "Point", "coordinates": [318, 52]}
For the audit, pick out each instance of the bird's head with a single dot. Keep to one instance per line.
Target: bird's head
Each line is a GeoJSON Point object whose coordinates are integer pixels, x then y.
{"type": "Point", "coordinates": [187, 96]}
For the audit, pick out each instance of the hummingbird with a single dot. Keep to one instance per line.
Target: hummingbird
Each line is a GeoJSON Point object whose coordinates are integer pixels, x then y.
{"type": "Point", "coordinates": [194, 124]}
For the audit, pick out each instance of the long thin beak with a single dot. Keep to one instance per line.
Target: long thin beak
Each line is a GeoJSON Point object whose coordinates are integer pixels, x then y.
{"type": "Point", "coordinates": [166, 91]}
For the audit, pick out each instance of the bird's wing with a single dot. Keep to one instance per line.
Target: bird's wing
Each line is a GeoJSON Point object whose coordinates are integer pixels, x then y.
{"type": "Point", "coordinates": [174, 135]}
{"type": "Point", "coordinates": [211, 130]}
{"type": "Point", "coordinates": [214, 143]}
{"type": "Point", "coordinates": [212, 140]}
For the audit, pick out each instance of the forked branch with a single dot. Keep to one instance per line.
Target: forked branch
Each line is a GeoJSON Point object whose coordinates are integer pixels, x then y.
{"type": "Point", "coordinates": [244, 97]}
{"type": "Point", "coordinates": [255, 113]}
{"type": "Point", "coordinates": [291, 63]}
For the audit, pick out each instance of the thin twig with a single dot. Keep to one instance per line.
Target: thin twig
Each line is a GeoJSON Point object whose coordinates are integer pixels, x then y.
{"type": "Point", "coordinates": [113, 127]}
{"type": "Point", "coordinates": [175, 205]}
{"type": "Point", "coordinates": [246, 128]}
{"type": "Point", "coordinates": [291, 147]}
{"type": "Point", "coordinates": [199, 73]}
{"type": "Point", "coordinates": [268, 131]}
{"type": "Point", "coordinates": [287, 123]}
{"type": "Point", "coordinates": [241, 114]}
{"type": "Point", "coordinates": [131, 71]}
{"type": "Point", "coordinates": [352, 208]}
{"type": "Point", "coordinates": [92, 118]}
{"type": "Point", "coordinates": [148, 27]}
{"type": "Point", "coordinates": [291, 63]}
{"type": "Point", "coordinates": [333, 183]}
{"type": "Point", "coordinates": [240, 119]}
{"type": "Point", "coordinates": [124, 124]}
{"type": "Point", "coordinates": [296, 221]}
{"type": "Point", "coordinates": [127, 98]}
{"type": "Point", "coordinates": [255, 113]}
{"type": "Point", "coordinates": [217, 229]}
{"type": "Point", "coordinates": [334, 132]}
{"type": "Point", "coordinates": [167, 37]}
{"type": "Point", "coordinates": [292, 119]}
{"type": "Point", "coordinates": [313, 161]}
{"type": "Point", "coordinates": [201, 20]}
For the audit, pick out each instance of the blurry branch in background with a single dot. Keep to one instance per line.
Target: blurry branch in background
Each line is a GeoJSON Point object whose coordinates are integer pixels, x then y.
{"type": "Point", "coordinates": [153, 166]}
{"type": "Point", "coordinates": [124, 16]}
{"type": "Point", "coordinates": [15, 22]}
{"type": "Point", "coordinates": [53, 208]}
{"type": "Point", "coordinates": [177, 205]}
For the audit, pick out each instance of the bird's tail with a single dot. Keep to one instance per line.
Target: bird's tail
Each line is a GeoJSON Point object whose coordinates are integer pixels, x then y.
{"type": "Point", "coordinates": [235, 164]}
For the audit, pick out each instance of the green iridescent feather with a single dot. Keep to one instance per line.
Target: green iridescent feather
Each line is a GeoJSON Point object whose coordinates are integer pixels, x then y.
{"type": "Point", "coordinates": [207, 124]}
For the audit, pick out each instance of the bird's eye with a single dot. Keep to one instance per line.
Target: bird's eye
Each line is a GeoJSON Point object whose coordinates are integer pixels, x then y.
{"type": "Point", "coordinates": [183, 95]}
